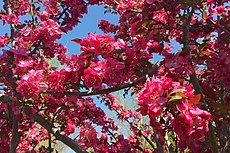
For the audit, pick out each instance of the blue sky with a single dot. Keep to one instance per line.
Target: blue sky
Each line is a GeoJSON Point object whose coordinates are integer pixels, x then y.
{"type": "Point", "coordinates": [88, 24]}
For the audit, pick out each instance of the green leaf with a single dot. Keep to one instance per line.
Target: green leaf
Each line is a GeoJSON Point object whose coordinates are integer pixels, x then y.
{"type": "Point", "coordinates": [177, 96]}
{"type": "Point", "coordinates": [146, 23]}
{"type": "Point", "coordinates": [171, 140]}
{"type": "Point", "coordinates": [90, 150]}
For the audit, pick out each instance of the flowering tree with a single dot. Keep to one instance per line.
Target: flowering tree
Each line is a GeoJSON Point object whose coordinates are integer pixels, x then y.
{"type": "Point", "coordinates": [185, 95]}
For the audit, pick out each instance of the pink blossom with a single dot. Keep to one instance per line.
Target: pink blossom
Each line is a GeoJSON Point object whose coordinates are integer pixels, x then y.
{"type": "Point", "coordinates": [110, 70]}
{"type": "Point", "coordinates": [91, 78]}
{"type": "Point", "coordinates": [175, 62]}
{"type": "Point", "coordinates": [52, 6]}
{"type": "Point", "coordinates": [123, 144]}
{"type": "Point", "coordinates": [107, 27]}
{"type": "Point", "coordinates": [191, 125]}
{"type": "Point", "coordinates": [55, 81]}
{"type": "Point", "coordinates": [28, 90]}
{"type": "Point", "coordinates": [154, 111]}
{"type": "Point", "coordinates": [20, 51]}
{"type": "Point", "coordinates": [44, 16]}
{"type": "Point", "coordinates": [150, 1]}
{"type": "Point", "coordinates": [220, 10]}
{"type": "Point", "coordinates": [23, 66]}
{"type": "Point", "coordinates": [154, 46]}
{"type": "Point", "coordinates": [180, 63]}
{"type": "Point", "coordinates": [10, 19]}
{"type": "Point", "coordinates": [161, 16]}
{"type": "Point", "coordinates": [20, 7]}
{"type": "Point", "coordinates": [36, 77]}
{"type": "Point", "coordinates": [97, 44]}
{"type": "Point", "coordinates": [3, 41]}
{"type": "Point", "coordinates": [145, 28]}
{"type": "Point", "coordinates": [31, 84]}
{"type": "Point", "coordinates": [70, 128]}
{"type": "Point", "coordinates": [50, 30]}
{"type": "Point", "coordinates": [150, 94]}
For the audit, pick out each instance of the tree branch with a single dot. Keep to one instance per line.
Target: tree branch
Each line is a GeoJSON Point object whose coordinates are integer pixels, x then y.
{"type": "Point", "coordinates": [63, 138]}
{"type": "Point", "coordinates": [215, 24]}
{"type": "Point", "coordinates": [112, 89]}
{"type": "Point", "coordinates": [15, 136]}
{"type": "Point", "coordinates": [159, 146]}
{"type": "Point", "coordinates": [218, 26]}
{"type": "Point", "coordinates": [196, 85]}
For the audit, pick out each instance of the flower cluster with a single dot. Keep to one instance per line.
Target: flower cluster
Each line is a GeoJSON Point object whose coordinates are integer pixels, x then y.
{"type": "Point", "coordinates": [98, 44]}
{"type": "Point", "coordinates": [108, 70]}
{"type": "Point", "coordinates": [10, 19]}
{"type": "Point", "coordinates": [31, 84]}
{"type": "Point", "coordinates": [191, 126]}
{"type": "Point", "coordinates": [179, 63]}
{"type": "Point", "coordinates": [190, 122]}
{"type": "Point", "coordinates": [153, 96]}
{"type": "Point", "coordinates": [50, 31]}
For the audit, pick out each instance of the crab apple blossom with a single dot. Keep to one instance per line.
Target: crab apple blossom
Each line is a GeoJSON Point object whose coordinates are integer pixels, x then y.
{"type": "Point", "coordinates": [10, 19]}
{"type": "Point", "coordinates": [191, 125]}
{"type": "Point", "coordinates": [3, 41]}
{"type": "Point", "coordinates": [169, 59]}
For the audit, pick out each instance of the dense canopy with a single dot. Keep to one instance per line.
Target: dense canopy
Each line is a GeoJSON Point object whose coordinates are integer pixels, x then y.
{"type": "Point", "coordinates": [184, 96]}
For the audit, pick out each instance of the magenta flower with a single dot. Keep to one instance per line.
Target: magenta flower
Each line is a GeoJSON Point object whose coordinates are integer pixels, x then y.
{"type": "Point", "coordinates": [10, 19]}
{"type": "Point", "coordinates": [32, 83]}
{"type": "Point", "coordinates": [191, 125]}
{"type": "Point", "coordinates": [28, 90]}
{"type": "Point", "coordinates": [91, 78]}
{"type": "Point", "coordinates": [3, 41]}
{"type": "Point", "coordinates": [97, 44]}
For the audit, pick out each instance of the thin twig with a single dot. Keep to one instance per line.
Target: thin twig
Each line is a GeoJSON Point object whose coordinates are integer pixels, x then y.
{"type": "Point", "coordinates": [139, 131]}
{"type": "Point", "coordinates": [213, 23]}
